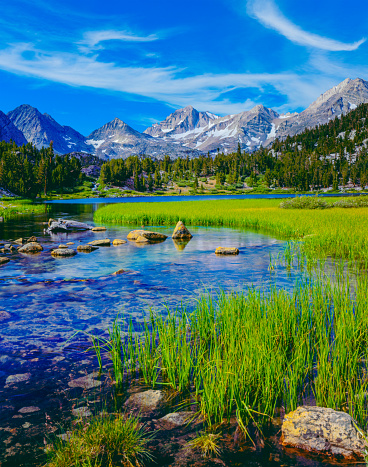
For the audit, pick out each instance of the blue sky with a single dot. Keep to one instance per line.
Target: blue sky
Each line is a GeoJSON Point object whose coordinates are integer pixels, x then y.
{"type": "Point", "coordinates": [86, 62]}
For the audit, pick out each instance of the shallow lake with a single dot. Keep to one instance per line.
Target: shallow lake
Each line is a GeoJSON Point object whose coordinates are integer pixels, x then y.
{"type": "Point", "coordinates": [49, 299]}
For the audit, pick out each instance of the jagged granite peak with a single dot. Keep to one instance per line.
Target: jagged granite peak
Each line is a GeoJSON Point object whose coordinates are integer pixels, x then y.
{"type": "Point", "coordinates": [117, 139]}
{"type": "Point", "coordinates": [40, 129]}
{"type": "Point", "coordinates": [207, 132]}
{"type": "Point", "coordinates": [181, 121]}
{"type": "Point", "coordinates": [338, 100]}
{"type": "Point", "coordinates": [9, 132]}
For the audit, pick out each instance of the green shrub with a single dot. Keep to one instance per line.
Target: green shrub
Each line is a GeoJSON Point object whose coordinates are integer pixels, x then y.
{"type": "Point", "coordinates": [305, 202]}
{"type": "Point", "coordinates": [360, 202]}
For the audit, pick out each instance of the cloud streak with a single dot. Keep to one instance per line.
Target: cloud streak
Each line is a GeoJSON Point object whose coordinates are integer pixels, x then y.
{"type": "Point", "coordinates": [93, 39]}
{"type": "Point", "coordinates": [270, 16]}
{"type": "Point", "coordinates": [167, 84]}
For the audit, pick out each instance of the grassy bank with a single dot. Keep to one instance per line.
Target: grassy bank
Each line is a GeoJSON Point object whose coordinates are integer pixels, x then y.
{"type": "Point", "coordinates": [337, 232]}
{"type": "Point", "coordinates": [247, 354]}
{"type": "Point", "coordinates": [13, 208]}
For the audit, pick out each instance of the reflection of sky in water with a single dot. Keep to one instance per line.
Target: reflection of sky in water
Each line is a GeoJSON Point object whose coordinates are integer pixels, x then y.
{"type": "Point", "coordinates": [48, 301]}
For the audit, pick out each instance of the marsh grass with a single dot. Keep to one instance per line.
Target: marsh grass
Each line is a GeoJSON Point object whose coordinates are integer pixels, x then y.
{"type": "Point", "coordinates": [337, 233]}
{"type": "Point", "coordinates": [246, 354]}
{"type": "Point", "coordinates": [106, 440]}
{"type": "Point", "coordinates": [13, 208]}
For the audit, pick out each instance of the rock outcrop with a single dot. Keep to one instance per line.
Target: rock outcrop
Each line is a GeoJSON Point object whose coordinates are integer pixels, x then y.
{"type": "Point", "coordinates": [181, 232]}
{"type": "Point", "coordinates": [323, 431]}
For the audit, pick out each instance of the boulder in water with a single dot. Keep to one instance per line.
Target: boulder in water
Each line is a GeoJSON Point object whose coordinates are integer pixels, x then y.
{"type": "Point", "coordinates": [86, 248]}
{"type": "Point", "coordinates": [32, 247]}
{"type": "Point", "coordinates": [98, 229]}
{"type": "Point", "coordinates": [102, 242]}
{"type": "Point", "coordinates": [63, 252]}
{"type": "Point", "coordinates": [151, 236]}
{"type": "Point", "coordinates": [181, 231]}
{"type": "Point", "coordinates": [118, 241]}
{"type": "Point", "coordinates": [226, 251]}
{"type": "Point", "coordinates": [4, 260]}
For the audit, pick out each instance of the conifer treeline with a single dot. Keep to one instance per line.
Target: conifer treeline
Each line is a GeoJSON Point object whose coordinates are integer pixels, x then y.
{"type": "Point", "coordinates": [28, 172]}
{"type": "Point", "coordinates": [328, 155]}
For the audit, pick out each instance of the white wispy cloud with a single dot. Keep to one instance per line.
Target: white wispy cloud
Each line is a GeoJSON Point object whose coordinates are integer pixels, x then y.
{"type": "Point", "coordinates": [93, 39]}
{"type": "Point", "coordinates": [270, 16]}
{"type": "Point", "coordinates": [166, 84]}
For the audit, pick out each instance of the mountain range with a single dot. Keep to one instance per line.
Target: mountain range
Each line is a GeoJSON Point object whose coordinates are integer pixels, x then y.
{"type": "Point", "coordinates": [184, 132]}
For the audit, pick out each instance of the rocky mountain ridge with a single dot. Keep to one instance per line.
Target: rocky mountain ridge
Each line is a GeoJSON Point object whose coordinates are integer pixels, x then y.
{"type": "Point", "coordinates": [185, 132]}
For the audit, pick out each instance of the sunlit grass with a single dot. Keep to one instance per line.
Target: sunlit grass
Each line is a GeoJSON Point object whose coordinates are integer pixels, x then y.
{"type": "Point", "coordinates": [338, 232]}
{"type": "Point", "coordinates": [13, 208]}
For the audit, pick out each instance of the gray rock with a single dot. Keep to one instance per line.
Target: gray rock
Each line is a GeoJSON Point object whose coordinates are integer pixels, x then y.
{"type": "Point", "coordinates": [85, 382]}
{"type": "Point", "coordinates": [20, 378]}
{"type": "Point", "coordinates": [149, 403]}
{"type": "Point", "coordinates": [32, 247]}
{"type": "Point", "coordinates": [63, 252]}
{"type": "Point", "coordinates": [30, 409]}
{"type": "Point", "coordinates": [323, 431]}
{"type": "Point", "coordinates": [174, 420]}
{"type": "Point", "coordinates": [4, 315]}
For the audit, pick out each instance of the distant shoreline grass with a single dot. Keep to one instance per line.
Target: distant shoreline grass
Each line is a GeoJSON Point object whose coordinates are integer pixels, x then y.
{"type": "Point", "coordinates": [339, 233]}
{"type": "Point", "coordinates": [13, 208]}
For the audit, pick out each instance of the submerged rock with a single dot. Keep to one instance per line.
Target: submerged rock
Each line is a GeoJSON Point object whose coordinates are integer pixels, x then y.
{"type": "Point", "coordinates": [63, 252]}
{"type": "Point", "coordinates": [148, 403]}
{"type": "Point", "coordinates": [323, 431]}
{"type": "Point", "coordinates": [226, 251]}
{"type": "Point", "coordinates": [70, 243]}
{"type": "Point", "coordinates": [20, 378]}
{"type": "Point", "coordinates": [87, 248]}
{"type": "Point", "coordinates": [31, 247]}
{"type": "Point", "coordinates": [181, 231]}
{"type": "Point", "coordinates": [102, 242]}
{"type": "Point", "coordinates": [98, 229]}
{"type": "Point", "coordinates": [30, 409]}
{"type": "Point", "coordinates": [4, 260]}
{"type": "Point", "coordinates": [118, 241]}
{"type": "Point", "coordinates": [4, 315]}
{"type": "Point", "coordinates": [151, 236]}
{"type": "Point", "coordinates": [85, 382]}
{"type": "Point", "coordinates": [174, 420]}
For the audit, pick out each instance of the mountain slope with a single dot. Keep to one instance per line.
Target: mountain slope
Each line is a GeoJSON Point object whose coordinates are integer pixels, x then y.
{"type": "Point", "coordinates": [337, 101]}
{"type": "Point", "coordinates": [41, 129]}
{"type": "Point", "coordinates": [208, 132]}
{"type": "Point", "coordinates": [8, 131]}
{"type": "Point", "coordinates": [117, 139]}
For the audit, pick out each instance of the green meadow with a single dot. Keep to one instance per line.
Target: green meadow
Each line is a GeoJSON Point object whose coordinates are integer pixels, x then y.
{"type": "Point", "coordinates": [11, 208]}
{"type": "Point", "coordinates": [339, 232]}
